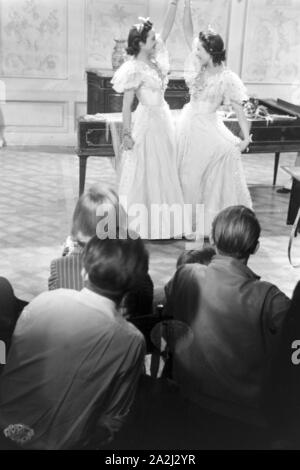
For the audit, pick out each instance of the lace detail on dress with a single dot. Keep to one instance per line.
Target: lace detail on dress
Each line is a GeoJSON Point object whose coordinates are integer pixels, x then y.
{"type": "Point", "coordinates": [152, 75]}
{"type": "Point", "coordinates": [234, 90]}
{"type": "Point", "coordinates": [208, 88]}
{"type": "Point", "coordinates": [224, 87]}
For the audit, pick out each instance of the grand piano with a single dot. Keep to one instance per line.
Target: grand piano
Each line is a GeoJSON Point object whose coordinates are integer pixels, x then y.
{"type": "Point", "coordinates": [281, 134]}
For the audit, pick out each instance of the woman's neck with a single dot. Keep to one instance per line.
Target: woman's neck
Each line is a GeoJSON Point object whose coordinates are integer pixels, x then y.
{"type": "Point", "coordinates": [214, 68]}
{"type": "Point", "coordinates": [143, 56]}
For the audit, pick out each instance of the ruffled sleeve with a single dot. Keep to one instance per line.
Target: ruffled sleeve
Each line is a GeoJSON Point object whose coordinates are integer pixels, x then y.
{"type": "Point", "coordinates": [162, 56]}
{"type": "Point", "coordinates": [234, 89]}
{"type": "Point", "coordinates": [127, 77]}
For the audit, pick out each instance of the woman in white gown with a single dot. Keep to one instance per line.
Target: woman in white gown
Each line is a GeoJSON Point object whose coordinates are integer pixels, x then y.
{"type": "Point", "coordinates": [209, 155]}
{"type": "Point", "coordinates": [149, 183]}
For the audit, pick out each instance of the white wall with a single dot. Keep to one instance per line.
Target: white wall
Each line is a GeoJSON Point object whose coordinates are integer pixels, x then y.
{"type": "Point", "coordinates": [46, 45]}
{"type": "Point", "coordinates": [42, 65]}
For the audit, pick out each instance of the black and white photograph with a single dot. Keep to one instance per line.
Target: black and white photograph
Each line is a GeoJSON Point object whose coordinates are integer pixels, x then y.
{"type": "Point", "coordinates": [150, 227]}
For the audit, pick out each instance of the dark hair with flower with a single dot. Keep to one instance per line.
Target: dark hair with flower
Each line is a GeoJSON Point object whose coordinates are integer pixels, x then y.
{"type": "Point", "coordinates": [138, 33]}
{"type": "Point", "coordinates": [214, 46]}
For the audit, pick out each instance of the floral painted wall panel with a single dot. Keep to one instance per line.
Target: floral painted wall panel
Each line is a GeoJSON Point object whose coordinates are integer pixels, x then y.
{"type": "Point", "coordinates": [204, 13]}
{"type": "Point", "coordinates": [107, 20]}
{"type": "Point", "coordinates": [34, 38]}
{"type": "Point", "coordinates": [272, 42]}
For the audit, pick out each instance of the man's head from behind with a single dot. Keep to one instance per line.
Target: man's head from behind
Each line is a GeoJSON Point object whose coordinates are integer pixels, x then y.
{"type": "Point", "coordinates": [115, 266]}
{"type": "Point", "coordinates": [87, 213]}
{"type": "Point", "coordinates": [235, 232]}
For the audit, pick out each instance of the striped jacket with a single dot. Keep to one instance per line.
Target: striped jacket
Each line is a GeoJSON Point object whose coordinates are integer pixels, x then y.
{"type": "Point", "coordinates": [66, 274]}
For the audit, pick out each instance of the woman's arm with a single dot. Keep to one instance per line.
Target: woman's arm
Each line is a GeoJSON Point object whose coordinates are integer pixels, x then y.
{"type": "Point", "coordinates": [128, 98]}
{"type": "Point", "coordinates": [169, 20]}
{"type": "Point", "coordinates": [188, 24]}
{"type": "Point", "coordinates": [244, 125]}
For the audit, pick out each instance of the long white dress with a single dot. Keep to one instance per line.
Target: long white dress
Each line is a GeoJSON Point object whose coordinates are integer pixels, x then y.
{"type": "Point", "coordinates": [149, 180]}
{"type": "Point", "coordinates": [209, 156]}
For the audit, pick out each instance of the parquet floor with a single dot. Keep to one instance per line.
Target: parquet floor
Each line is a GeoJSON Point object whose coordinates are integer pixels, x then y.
{"type": "Point", "coordinates": [38, 191]}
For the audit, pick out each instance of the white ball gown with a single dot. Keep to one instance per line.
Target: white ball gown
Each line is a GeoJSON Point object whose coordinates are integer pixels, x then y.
{"type": "Point", "coordinates": [209, 155]}
{"type": "Point", "coordinates": [149, 180]}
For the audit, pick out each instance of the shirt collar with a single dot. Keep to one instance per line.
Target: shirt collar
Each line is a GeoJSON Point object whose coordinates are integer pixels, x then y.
{"type": "Point", "coordinates": [236, 265]}
{"type": "Point", "coordinates": [99, 302]}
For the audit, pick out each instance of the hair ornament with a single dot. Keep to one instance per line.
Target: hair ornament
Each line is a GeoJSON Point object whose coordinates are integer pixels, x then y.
{"type": "Point", "coordinates": [211, 30]}
{"type": "Point", "coordinates": [138, 27]}
{"type": "Point", "coordinates": [143, 22]}
{"type": "Point", "coordinates": [207, 36]}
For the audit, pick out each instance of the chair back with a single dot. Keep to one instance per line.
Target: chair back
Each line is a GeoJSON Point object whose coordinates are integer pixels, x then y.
{"type": "Point", "coordinates": [167, 337]}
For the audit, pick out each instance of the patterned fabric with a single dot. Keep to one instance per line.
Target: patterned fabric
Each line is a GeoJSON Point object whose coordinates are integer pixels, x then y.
{"type": "Point", "coordinates": [223, 87]}
{"type": "Point", "coordinates": [234, 91]}
{"type": "Point", "coordinates": [66, 272]}
{"type": "Point", "coordinates": [19, 433]}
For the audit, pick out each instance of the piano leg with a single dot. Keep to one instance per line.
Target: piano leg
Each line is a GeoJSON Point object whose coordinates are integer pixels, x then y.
{"type": "Point", "coordinates": [82, 172]}
{"type": "Point", "coordinates": [276, 163]}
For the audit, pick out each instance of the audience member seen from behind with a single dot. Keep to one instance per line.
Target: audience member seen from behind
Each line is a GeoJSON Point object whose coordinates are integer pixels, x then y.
{"type": "Point", "coordinates": [283, 394]}
{"type": "Point", "coordinates": [75, 361]}
{"type": "Point", "coordinates": [66, 270]}
{"type": "Point", "coordinates": [203, 256]}
{"type": "Point", "coordinates": [10, 309]}
{"type": "Point", "coordinates": [236, 325]}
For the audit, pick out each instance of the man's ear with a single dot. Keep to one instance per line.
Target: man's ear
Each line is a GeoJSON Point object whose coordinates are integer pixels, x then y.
{"type": "Point", "coordinates": [256, 248]}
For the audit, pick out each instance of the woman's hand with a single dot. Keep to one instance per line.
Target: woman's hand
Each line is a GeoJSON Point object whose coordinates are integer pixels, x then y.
{"type": "Point", "coordinates": [128, 142]}
{"type": "Point", "coordinates": [244, 144]}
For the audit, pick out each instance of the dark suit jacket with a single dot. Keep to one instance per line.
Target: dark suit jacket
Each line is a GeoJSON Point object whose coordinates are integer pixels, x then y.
{"type": "Point", "coordinates": [283, 397]}
{"type": "Point", "coordinates": [10, 309]}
